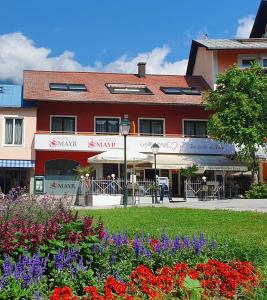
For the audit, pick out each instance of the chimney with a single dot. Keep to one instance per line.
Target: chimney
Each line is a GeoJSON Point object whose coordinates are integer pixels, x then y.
{"type": "Point", "coordinates": [142, 69]}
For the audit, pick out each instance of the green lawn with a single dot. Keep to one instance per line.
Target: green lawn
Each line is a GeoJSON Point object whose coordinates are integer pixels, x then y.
{"type": "Point", "coordinates": [220, 224]}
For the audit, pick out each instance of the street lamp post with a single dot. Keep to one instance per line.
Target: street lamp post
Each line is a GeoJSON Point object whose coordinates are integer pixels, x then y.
{"type": "Point", "coordinates": [155, 150]}
{"type": "Point", "coordinates": [124, 129]}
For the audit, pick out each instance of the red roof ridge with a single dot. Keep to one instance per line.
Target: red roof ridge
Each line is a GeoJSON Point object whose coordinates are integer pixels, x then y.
{"type": "Point", "coordinates": [109, 73]}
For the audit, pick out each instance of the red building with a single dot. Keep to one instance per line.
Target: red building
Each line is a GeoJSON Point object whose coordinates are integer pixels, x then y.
{"type": "Point", "coordinates": [78, 116]}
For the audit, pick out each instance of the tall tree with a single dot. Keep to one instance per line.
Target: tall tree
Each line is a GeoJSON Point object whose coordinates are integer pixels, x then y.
{"type": "Point", "coordinates": [239, 106]}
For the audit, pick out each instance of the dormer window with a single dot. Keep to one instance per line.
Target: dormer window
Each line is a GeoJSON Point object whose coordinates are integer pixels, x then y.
{"type": "Point", "coordinates": [140, 89]}
{"type": "Point", "coordinates": [74, 87]}
{"type": "Point", "coordinates": [180, 90]}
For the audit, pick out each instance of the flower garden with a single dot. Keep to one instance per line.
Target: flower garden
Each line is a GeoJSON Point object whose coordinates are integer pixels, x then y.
{"type": "Point", "coordinates": [48, 251]}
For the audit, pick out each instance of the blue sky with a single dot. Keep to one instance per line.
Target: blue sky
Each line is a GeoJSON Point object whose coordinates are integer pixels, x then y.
{"type": "Point", "coordinates": [112, 35]}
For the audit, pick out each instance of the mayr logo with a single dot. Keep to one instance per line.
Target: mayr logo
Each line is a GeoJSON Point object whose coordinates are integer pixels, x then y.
{"type": "Point", "coordinates": [53, 142]}
{"type": "Point", "coordinates": [53, 185]}
{"type": "Point", "coordinates": [62, 142]}
{"type": "Point", "coordinates": [101, 144]}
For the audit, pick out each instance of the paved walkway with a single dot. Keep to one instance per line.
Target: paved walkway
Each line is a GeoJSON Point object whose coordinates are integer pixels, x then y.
{"type": "Point", "coordinates": [259, 205]}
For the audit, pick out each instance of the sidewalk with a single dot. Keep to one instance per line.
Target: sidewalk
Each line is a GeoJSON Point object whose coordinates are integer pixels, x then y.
{"type": "Point", "coordinates": [258, 205]}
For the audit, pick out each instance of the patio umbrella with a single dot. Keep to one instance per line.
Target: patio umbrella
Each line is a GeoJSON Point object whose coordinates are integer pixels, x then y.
{"type": "Point", "coordinates": [117, 156]}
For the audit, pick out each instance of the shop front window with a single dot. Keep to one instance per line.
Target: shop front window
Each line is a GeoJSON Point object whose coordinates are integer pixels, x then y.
{"type": "Point", "coordinates": [151, 127]}
{"type": "Point", "coordinates": [195, 129]}
{"type": "Point", "coordinates": [61, 167]}
{"type": "Point", "coordinates": [63, 124]}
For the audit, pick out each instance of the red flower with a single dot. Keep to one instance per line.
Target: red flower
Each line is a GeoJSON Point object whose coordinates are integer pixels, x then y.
{"type": "Point", "coordinates": [218, 280]}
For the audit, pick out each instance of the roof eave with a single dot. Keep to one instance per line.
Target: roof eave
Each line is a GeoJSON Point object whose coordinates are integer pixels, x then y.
{"type": "Point", "coordinates": [260, 20]}
{"type": "Point", "coordinates": [116, 102]}
{"type": "Point", "coordinates": [192, 56]}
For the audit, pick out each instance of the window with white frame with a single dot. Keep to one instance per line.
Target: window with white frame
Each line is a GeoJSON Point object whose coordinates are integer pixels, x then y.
{"type": "Point", "coordinates": [195, 128]}
{"type": "Point", "coordinates": [151, 127]}
{"type": "Point", "coordinates": [13, 131]}
{"type": "Point", "coordinates": [245, 61]}
{"type": "Point", "coordinates": [264, 62]}
{"type": "Point", "coordinates": [107, 125]}
{"type": "Point", "coordinates": [63, 124]}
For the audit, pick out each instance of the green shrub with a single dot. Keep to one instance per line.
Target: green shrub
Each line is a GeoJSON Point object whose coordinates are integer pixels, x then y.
{"type": "Point", "coordinates": [257, 191]}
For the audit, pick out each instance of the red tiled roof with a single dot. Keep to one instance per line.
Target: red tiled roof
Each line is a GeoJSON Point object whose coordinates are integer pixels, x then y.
{"type": "Point", "coordinates": [36, 87]}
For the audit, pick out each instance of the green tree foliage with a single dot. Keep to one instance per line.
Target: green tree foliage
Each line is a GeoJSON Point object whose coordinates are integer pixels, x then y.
{"type": "Point", "coordinates": [189, 172]}
{"type": "Point", "coordinates": [239, 104]}
{"type": "Point", "coordinates": [82, 171]}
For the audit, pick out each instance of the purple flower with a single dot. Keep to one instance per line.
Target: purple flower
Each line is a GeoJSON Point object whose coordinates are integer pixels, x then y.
{"type": "Point", "coordinates": [26, 271]}
{"type": "Point", "coordinates": [125, 238]}
{"type": "Point", "coordinates": [213, 245]}
{"type": "Point", "coordinates": [176, 244]}
{"type": "Point", "coordinates": [36, 295]}
{"type": "Point", "coordinates": [187, 243]}
{"type": "Point", "coordinates": [165, 242]}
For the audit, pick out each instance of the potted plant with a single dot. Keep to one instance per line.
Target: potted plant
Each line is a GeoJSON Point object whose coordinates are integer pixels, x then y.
{"type": "Point", "coordinates": [188, 174]}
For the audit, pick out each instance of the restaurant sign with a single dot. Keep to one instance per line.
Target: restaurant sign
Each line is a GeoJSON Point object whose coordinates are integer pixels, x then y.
{"type": "Point", "coordinates": [102, 143]}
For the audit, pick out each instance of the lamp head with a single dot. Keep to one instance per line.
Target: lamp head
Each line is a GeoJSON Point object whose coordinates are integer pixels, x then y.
{"type": "Point", "coordinates": [125, 126]}
{"type": "Point", "coordinates": [155, 148]}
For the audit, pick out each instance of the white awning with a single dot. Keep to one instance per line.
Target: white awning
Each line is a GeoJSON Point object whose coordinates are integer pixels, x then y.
{"type": "Point", "coordinates": [117, 156]}
{"type": "Point", "coordinates": [204, 162]}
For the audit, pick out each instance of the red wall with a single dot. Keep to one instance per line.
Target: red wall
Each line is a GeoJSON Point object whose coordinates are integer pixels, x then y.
{"type": "Point", "coordinates": [265, 172]}
{"type": "Point", "coordinates": [43, 156]}
{"type": "Point", "coordinates": [227, 58]}
{"type": "Point", "coordinates": [85, 122]}
{"type": "Point", "coordinates": [85, 114]}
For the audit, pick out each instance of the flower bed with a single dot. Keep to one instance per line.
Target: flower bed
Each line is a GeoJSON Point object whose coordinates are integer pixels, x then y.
{"type": "Point", "coordinates": [206, 281]}
{"type": "Point", "coordinates": [45, 247]}
{"type": "Point", "coordinates": [117, 266]}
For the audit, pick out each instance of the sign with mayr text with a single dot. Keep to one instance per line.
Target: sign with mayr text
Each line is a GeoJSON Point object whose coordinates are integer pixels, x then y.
{"type": "Point", "coordinates": [60, 185]}
{"type": "Point", "coordinates": [100, 143]}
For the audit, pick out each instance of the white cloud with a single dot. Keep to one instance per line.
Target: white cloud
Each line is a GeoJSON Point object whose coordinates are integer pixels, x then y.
{"type": "Point", "coordinates": [244, 27]}
{"type": "Point", "coordinates": [17, 53]}
{"type": "Point", "coordinates": [155, 59]}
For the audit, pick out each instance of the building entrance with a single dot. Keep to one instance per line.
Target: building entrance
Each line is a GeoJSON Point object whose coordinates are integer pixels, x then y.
{"type": "Point", "coordinates": [13, 177]}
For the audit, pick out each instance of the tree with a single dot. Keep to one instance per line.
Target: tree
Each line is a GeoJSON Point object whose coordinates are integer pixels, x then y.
{"type": "Point", "coordinates": [239, 106]}
{"type": "Point", "coordinates": [82, 171]}
{"type": "Point", "coordinates": [189, 172]}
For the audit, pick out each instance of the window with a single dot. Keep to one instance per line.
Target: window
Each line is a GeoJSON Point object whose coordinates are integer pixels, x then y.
{"type": "Point", "coordinates": [1, 89]}
{"type": "Point", "coordinates": [107, 125]}
{"type": "Point", "coordinates": [13, 131]}
{"type": "Point", "coordinates": [247, 62]}
{"type": "Point", "coordinates": [74, 87]}
{"type": "Point", "coordinates": [180, 90]}
{"type": "Point", "coordinates": [61, 167]}
{"type": "Point", "coordinates": [63, 124]}
{"type": "Point", "coordinates": [264, 62]}
{"type": "Point", "coordinates": [128, 89]}
{"type": "Point", "coordinates": [195, 128]}
{"type": "Point", "coordinates": [151, 127]}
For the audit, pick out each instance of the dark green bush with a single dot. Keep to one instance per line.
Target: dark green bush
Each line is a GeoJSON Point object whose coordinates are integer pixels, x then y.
{"type": "Point", "coordinates": [257, 191]}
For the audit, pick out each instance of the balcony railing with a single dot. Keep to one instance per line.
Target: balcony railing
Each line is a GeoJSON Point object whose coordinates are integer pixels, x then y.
{"type": "Point", "coordinates": [118, 134]}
